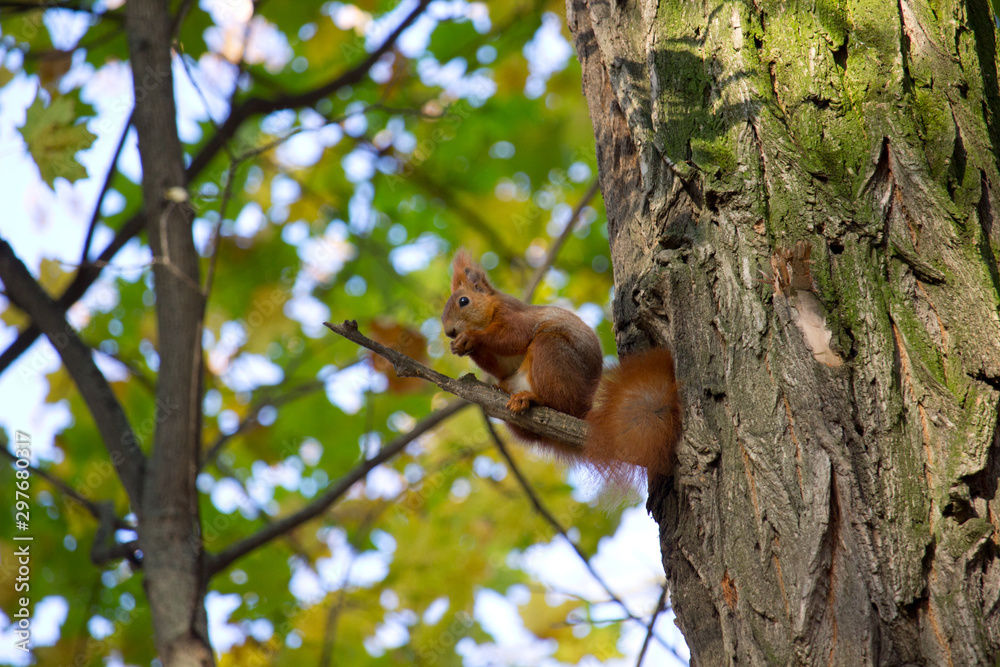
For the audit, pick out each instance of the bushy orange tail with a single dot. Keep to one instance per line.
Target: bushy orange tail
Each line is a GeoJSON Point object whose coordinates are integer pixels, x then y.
{"type": "Point", "coordinates": [636, 419]}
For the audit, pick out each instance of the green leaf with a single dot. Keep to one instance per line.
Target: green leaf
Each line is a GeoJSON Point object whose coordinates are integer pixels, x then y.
{"type": "Point", "coordinates": [54, 136]}
{"type": "Point", "coordinates": [452, 39]}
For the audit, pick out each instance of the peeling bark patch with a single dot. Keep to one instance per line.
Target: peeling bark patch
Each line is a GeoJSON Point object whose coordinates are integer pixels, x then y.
{"type": "Point", "coordinates": [798, 447]}
{"type": "Point", "coordinates": [748, 468]}
{"type": "Point", "coordinates": [941, 337]}
{"type": "Point", "coordinates": [781, 578]}
{"type": "Point", "coordinates": [936, 627]}
{"type": "Point", "coordinates": [904, 363]}
{"type": "Point", "coordinates": [791, 276]}
{"type": "Point", "coordinates": [729, 591]}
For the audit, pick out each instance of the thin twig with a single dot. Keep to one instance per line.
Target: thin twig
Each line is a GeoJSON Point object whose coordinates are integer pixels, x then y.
{"type": "Point", "coordinates": [250, 419]}
{"type": "Point", "coordinates": [215, 563]}
{"type": "Point", "coordinates": [330, 631]}
{"type": "Point", "coordinates": [261, 106]}
{"type": "Point", "coordinates": [62, 486]}
{"type": "Point", "coordinates": [106, 547]}
{"type": "Point", "coordinates": [202, 97]}
{"type": "Point", "coordinates": [541, 420]}
{"type": "Point", "coordinates": [332, 619]}
{"type": "Point", "coordinates": [145, 381]}
{"type": "Point", "coordinates": [414, 174]}
{"type": "Point", "coordinates": [102, 511]}
{"type": "Point", "coordinates": [216, 240]}
{"type": "Point", "coordinates": [552, 521]}
{"type": "Point", "coordinates": [96, 215]}
{"type": "Point", "coordinates": [652, 622]}
{"type": "Point", "coordinates": [550, 258]}
{"type": "Point", "coordinates": [262, 514]}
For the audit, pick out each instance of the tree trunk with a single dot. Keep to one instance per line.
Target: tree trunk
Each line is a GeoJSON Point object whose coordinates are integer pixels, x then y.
{"type": "Point", "coordinates": [801, 205]}
{"type": "Point", "coordinates": [169, 529]}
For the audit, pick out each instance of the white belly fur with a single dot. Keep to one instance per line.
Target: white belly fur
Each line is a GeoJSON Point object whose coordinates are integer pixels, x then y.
{"type": "Point", "coordinates": [516, 382]}
{"type": "Point", "coordinates": [509, 365]}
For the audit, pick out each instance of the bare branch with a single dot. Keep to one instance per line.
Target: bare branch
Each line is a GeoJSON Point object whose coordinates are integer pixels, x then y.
{"type": "Point", "coordinates": [544, 421]}
{"type": "Point", "coordinates": [552, 521]}
{"type": "Point", "coordinates": [550, 258]}
{"type": "Point", "coordinates": [649, 629]}
{"type": "Point", "coordinates": [68, 491]}
{"type": "Point", "coordinates": [107, 412]}
{"type": "Point", "coordinates": [250, 419]}
{"type": "Point", "coordinates": [96, 215]}
{"type": "Point", "coordinates": [85, 277]}
{"type": "Point", "coordinates": [105, 548]}
{"type": "Point", "coordinates": [469, 215]}
{"type": "Point", "coordinates": [215, 563]}
{"type": "Point", "coordinates": [259, 106]}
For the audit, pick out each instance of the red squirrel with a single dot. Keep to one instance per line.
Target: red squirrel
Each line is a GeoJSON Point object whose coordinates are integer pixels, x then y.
{"type": "Point", "coordinates": [548, 356]}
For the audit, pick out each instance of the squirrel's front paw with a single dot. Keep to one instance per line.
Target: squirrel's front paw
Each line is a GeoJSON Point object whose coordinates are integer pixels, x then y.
{"type": "Point", "coordinates": [462, 345]}
{"type": "Point", "coordinates": [520, 401]}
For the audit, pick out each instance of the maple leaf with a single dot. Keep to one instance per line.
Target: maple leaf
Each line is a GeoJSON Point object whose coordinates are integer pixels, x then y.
{"type": "Point", "coordinates": [54, 137]}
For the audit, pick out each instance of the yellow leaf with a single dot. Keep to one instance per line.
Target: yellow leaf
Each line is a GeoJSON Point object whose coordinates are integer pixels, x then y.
{"type": "Point", "coordinates": [13, 316]}
{"type": "Point", "coordinates": [249, 652]}
{"type": "Point", "coordinates": [54, 278]}
{"type": "Point", "coordinates": [600, 642]}
{"type": "Point", "coordinates": [545, 621]}
{"type": "Point", "coordinates": [60, 385]}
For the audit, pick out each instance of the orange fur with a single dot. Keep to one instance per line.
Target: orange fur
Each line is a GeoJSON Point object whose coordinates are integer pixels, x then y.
{"type": "Point", "coordinates": [637, 418]}
{"type": "Point", "coordinates": [549, 356]}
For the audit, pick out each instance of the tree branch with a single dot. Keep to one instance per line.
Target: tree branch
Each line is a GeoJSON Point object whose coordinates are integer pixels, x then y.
{"type": "Point", "coordinates": [107, 412]}
{"type": "Point", "coordinates": [215, 563]}
{"type": "Point", "coordinates": [541, 420]}
{"type": "Point", "coordinates": [105, 547]}
{"type": "Point", "coordinates": [260, 106]}
{"type": "Point", "coordinates": [661, 603]}
{"type": "Point", "coordinates": [250, 419]}
{"type": "Point", "coordinates": [96, 215]}
{"type": "Point", "coordinates": [550, 258]}
{"type": "Point", "coordinates": [544, 512]}
{"type": "Point", "coordinates": [85, 277]}
{"type": "Point", "coordinates": [68, 491]}
{"type": "Point", "coordinates": [469, 215]}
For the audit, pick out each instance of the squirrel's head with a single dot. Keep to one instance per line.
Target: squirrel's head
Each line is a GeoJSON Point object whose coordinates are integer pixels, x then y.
{"type": "Point", "coordinates": [472, 300]}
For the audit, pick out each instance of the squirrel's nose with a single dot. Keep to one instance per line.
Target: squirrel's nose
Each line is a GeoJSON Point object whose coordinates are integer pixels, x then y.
{"type": "Point", "coordinates": [450, 332]}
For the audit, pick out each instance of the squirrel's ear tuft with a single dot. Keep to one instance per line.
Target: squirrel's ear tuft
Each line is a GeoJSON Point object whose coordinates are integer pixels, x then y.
{"type": "Point", "coordinates": [467, 272]}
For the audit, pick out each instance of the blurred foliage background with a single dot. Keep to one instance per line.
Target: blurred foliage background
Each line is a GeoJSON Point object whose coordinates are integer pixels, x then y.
{"type": "Point", "coordinates": [323, 191]}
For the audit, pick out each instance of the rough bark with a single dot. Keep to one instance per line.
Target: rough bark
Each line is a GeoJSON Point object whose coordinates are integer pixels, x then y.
{"type": "Point", "coordinates": [832, 504]}
{"type": "Point", "coordinates": [169, 532]}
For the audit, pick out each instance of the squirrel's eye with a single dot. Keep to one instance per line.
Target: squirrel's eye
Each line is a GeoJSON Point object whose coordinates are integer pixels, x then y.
{"type": "Point", "coordinates": [463, 302]}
